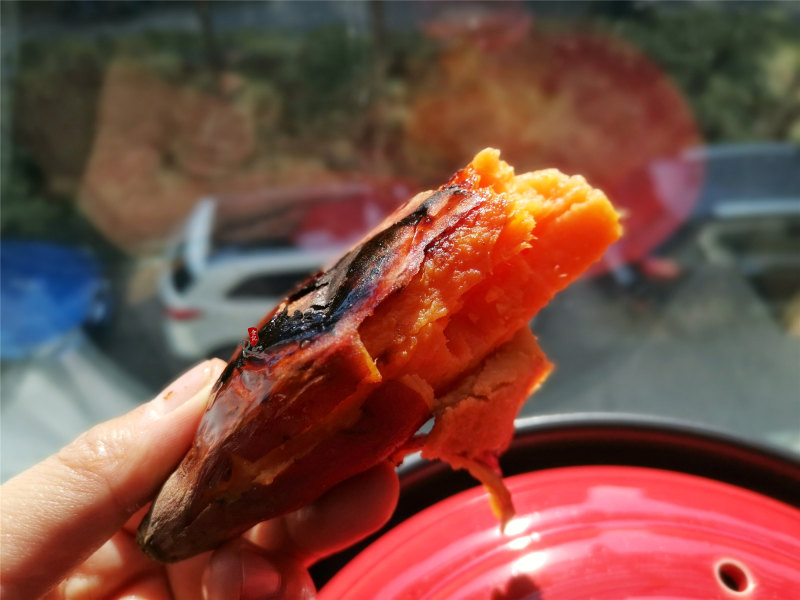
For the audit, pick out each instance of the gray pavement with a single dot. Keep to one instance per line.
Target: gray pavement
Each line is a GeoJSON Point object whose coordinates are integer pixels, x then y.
{"type": "Point", "coordinates": [709, 353]}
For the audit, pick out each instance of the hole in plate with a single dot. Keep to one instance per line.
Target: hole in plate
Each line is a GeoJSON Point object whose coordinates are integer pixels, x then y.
{"type": "Point", "coordinates": [733, 577]}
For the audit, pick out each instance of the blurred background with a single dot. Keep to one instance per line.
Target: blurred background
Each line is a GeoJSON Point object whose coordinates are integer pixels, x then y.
{"type": "Point", "coordinates": [170, 169]}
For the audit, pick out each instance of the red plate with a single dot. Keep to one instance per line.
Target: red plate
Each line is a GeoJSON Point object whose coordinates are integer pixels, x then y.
{"type": "Point", "coordinates": [587, 532]}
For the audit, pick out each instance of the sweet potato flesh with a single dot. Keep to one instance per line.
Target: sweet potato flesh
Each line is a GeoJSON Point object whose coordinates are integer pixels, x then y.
{"type": "Point", "coordinates": [485, 279]}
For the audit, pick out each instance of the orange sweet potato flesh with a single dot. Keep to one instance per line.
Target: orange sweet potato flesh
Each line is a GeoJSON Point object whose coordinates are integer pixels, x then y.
{"type": "Point", "coordinates": [428, 316]}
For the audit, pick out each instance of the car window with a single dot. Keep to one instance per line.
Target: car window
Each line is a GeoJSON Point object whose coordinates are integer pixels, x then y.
{"type": "Point", "coordinates": [182, 277]}
{"type": "Point", "coordinates": [267, 286]}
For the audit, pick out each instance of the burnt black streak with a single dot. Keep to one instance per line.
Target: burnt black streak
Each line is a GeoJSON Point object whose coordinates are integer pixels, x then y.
{"type": "Point", "coordinates": [329, 295]}
{"type": "Point", "coordinates": [342, 287]}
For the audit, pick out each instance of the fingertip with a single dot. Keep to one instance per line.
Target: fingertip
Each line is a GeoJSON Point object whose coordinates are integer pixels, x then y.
{"type": "Point", "coordinates": [261, 578]}
{"type": "Point", "coordinates": [193, 384]}
{"type": "Point", "coordinates": [385, 476]}
{"type": "Point", "coordinates": [153, 587]}
{"type": "Point", "coordinates": [222, 577]}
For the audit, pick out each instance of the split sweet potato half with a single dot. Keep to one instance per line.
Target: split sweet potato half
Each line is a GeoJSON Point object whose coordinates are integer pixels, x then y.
{"type": "Point", "coordinates": [427, 317]}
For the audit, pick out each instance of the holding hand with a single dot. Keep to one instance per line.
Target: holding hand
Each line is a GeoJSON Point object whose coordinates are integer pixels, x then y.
{"type": "Point", "coordinates": [69, 523]}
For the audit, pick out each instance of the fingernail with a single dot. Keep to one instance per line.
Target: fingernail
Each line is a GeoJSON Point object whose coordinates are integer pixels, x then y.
{"type": "Point", "coordinates": [260, 577]}
{"type": "Point", "coordinates": [184, 388]}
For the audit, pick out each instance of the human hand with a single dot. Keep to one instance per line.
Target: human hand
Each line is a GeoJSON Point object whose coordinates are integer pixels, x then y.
{"type": "Point", "coordinates": [69, 523]}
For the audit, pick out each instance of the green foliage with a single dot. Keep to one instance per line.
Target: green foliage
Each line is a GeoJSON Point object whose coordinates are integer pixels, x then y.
{"type": "Point", "coordinates": [29, 212]}
{"type": "Point", "coordinates": [719, 55]}
{"type": "Point", "coordinates": [325, 83]}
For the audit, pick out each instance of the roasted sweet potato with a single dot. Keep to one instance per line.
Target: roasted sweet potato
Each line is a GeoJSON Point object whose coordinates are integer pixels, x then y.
{"type": "Point", "coordinates": [428, 316]}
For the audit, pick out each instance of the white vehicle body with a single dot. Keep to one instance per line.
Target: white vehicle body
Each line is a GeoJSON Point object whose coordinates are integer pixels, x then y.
{"type": "Point", "coordinates": [212, 298]}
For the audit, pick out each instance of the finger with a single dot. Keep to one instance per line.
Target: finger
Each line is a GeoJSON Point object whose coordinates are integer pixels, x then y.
{"type": "Point", "coordinates": [60, 511]}
{"type": "Point", "coordinates": [185, 577]}
{"type": "Point", "coordinates": [149, 588]}
{"type": "Point", "coordinates": [346, 514]}
{"type": "Point", "coordinates": [115, 564]}
{"type": "Point", "coordinates": [240, 570]}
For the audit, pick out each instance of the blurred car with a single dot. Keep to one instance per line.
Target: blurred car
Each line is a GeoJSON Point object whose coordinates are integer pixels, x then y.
{"type": "Point", "coordinates": [211, 295]}
{"type": "Point", "coordinates": [750, 219]}
{"type": "Point", "coordinates": [237, 256]}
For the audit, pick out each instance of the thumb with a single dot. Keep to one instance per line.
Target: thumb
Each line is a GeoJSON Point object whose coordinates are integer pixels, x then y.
{"type": "Point", "coordinates": [57, 513]}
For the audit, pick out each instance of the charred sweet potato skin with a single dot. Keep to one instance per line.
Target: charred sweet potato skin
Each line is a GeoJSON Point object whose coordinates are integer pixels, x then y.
{"type": "Point", "coordinates": [352, 363]}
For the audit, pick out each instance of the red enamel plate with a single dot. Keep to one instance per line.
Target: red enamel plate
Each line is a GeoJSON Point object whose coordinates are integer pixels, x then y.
{"type": "Point", "coordinates": [587, 532]}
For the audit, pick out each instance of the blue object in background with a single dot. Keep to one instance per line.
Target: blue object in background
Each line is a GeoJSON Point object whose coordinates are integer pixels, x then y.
{"type": "Point", "coordinates": [46, 291]}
